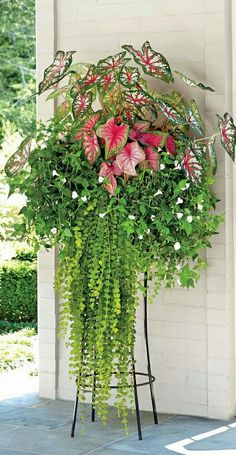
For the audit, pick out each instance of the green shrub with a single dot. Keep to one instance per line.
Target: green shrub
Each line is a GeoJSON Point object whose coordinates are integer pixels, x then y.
{"type": "Point", "coordinates": [25, 254]}
{"type": "Point", "coordinates": [18, 292]}
{"type": "Point", "coordinates": [13, 327]}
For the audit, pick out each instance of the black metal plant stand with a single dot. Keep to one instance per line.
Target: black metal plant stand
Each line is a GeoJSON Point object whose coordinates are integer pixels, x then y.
{"type": "Point", "coordinates": [135, 385]}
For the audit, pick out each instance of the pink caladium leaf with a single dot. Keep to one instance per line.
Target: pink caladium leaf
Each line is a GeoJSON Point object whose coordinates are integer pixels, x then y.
{"type": "Point", "coordinates": [91, 147]}
{"type": "Point", "coordinates": [227, 134]}
{"type": "Point", "coordinates": [151, 159]}
{"type": "Point", "coordinates": [171, 113]}
{"type": "Point", "coordinates": [192, 83]}
{"type": "Point", "coordinates": [91, 78]}
{"type": "Point", "coordinates": [170, 145]}
{"type": "Point", "coordinates": [138, 128]}
{"type": "Point", "coordinates": [113, 62]}
{"type": "Point", "coordinates": [115, 168]}
{"type": "Point", "coordinates": [191, 166]}
{"type": "Point", "coordinates": [153, 63]}
{"type": "Point", "coordinates": [194, 119]}
{"type": "Point", "coordinates": [138, 98]}
{"type": "Point", "coordinates": [153, 139]}
{"type": "Point", "coordinates": [107, 172]}
{"type": "Point", "coordinates": [115, 136]}
{"type": "Point", "coordinates": [81, 103]}
{"type": "Point", "coordinates": [18, 160]}
{"type": "Point", "coordinates": [88, 126]}
{"type": "Point", "coordinates": [56, 71]}
{"type": "Point", "coordinates": [129, 76]}
{"type": "Point", "coordinates": [131, 155]}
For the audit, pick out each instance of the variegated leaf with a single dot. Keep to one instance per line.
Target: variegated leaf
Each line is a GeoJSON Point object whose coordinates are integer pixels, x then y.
{"type": "Point", "coordinates": [115, 136]}
{"type": "Point", "coordinates": [171, 113]}
{"type": "Point", "coordinates": [107, 171]}
{"type": "Point", "coordinates": [191, 166]}
{"type": "Point", "coordinates": [91, 147]}
{"type": "Point", "coordinates": [106, 82]}
{"type": "Point", "coordinates": [227, 134]}
{"type": "Point", "coordinates": [138, 98]}
{"type": "Point", "coordinates": [211, 156]}
{"type": "Point", "coordinates": [129, 76]}
{"type": "Point", "coordinates": [194, 119]}
{"type": "Point", "coordinates": [17, 161]}
{"type": "Point", "coordinates": [56, 71]}
{"type": "Point", "coordinates": [192, 83]}
{"type": "Point", "coordinates": [153, 63]}
{"type": "Point", "coordinates": [128, 158]}
{"type": "Point", "coordinates": [113, 62]}
{"type": "Point", "coordinates": [87, 126]}
{"type": "Point", "coordinates": [90, 79]}
{"type": "Point", "coordinates": [81, 103]}
{"type": "Point", "coordinates": [151, 159]}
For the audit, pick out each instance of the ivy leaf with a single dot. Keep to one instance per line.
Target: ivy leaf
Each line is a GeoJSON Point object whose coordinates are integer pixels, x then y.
{"type": "Point", "coordinates": [192, 83]}
{"type": "Point", "coordinates": [227, 134]}
{"type": "Point", "coordinates": [17, 161]}
{"type": "Point", "coordinates": [171, 113]}
{"type": "Point", "coordinates": [138, 98]}
{"type": "Point", "coordinates": [131, 155]}
{"type": "Point", "coordinates": [115, 136]}
{"type": "Point", "coordinates": [187, 276]}
{"type": "Point", "coordinates": [81, 103]}
{"type": "Point", "coordinates": [91, 147]}
{"type": "Point", "coordinates": [129, 76]}
{"type": "Point", "coordinates": [113, 62]}
{"type": "Point", "coordinates": [194, 118]}
{"type": "Point", "coordinates": [153, 63]}
{"type": "Point", "coordinates": [56, 71]}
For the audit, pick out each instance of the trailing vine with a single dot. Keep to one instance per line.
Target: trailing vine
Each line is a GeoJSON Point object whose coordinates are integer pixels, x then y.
{"type": "Point", "coordinates": [122, 190]}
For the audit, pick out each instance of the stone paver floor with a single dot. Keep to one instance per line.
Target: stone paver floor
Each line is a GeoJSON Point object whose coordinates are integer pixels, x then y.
{"type": "Point", "coordinates": [30, 425]}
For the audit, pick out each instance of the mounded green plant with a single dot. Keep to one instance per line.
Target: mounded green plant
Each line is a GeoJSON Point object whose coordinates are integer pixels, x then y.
{"type": "Point", "coordinates": [122, 188]}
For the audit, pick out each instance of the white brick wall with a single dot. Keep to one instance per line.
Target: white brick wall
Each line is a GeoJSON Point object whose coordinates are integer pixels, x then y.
{"type": "Point", "coordinates": [191, 332]}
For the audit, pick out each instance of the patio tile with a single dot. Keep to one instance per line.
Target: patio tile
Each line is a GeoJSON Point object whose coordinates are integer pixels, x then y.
{"type": "Point", "coordinates": [4, 427]}
{"type": "Point", "coordinates": [15, 452]}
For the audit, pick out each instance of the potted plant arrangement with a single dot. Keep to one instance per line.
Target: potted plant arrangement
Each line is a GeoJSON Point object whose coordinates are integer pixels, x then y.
{"type": "Point", "coordinates": [120, 178]}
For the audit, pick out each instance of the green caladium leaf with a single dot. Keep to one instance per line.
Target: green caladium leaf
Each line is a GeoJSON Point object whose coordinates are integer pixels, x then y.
{"type": "Point", "coordinates": [91, 78]}
{"type": "Point", "coordinates": [211, 156]}
{"type": "Point", "coordinates": [227, 134]}
{"type": "Point", "coordinates": [56, 71]}
{"type": "Point", "coordinates": [138, 98]}
{"type": "Point", "coordinates": [129, 76]}
{"type": "Point", "coordinates": [18, 160]}
{"type": "Point", "coordinates": [171, 113]}
{"type": "Point", "coordinates": [113, 62]}
{"type": "Point", "coordinates": [175, 99]}
{"type": "Point", "coordinates": [153, 63]}
{"type": "Point", "coordinates": [81, 103]}
{"type": "Point", "coordinates": [106, 82]}
{"type": "Point", "coordinates": [192, 83]}
{"type": "Point", "coordinates": [194, 119]}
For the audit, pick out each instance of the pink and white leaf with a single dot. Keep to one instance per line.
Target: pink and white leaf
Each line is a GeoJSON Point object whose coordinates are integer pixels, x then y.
{"type": "Point", "coordinates": [138, 98]}
{"type": "Point", "coordinates": [107, 172]}
{"type": "Point", "coordinates": [138, 128]}
{"type": "Point", "coordinates": [191, 166]}
{"type": "Point", "coordinates": [81, 103]}
{"type": "Point", "coordinates": [153, 139]}
{"type": "Point", "coordinates": [55, 72]}
{"type": "Point", "coordinates": [227, 134]}
{"type": "Point", "coordinates": [91, 147]}
{"type": "Point", "coordinates": [170, 145]}
{"type": "Point", "coordinates": [115, 136]}
{"type": "Point", "coordinates": [113, 62]}
{"type": "Point", "coordinates": [151, 160]}
{"type": "Point", "coordinates": [129, 76]}
{"type": "Point", "coordinates": [131, 155]}
{"type": "Point", "coordinates": [88, 126]}
{"type": "Point", "coordinates": [171, 113]}
{"type": "Point", "coordinates": [18, 160]}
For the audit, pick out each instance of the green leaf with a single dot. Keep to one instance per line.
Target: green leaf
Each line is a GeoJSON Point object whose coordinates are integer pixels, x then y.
{"type": "Point", "coordinates": [194, 119]}
{"type": "Point", "coordinates": [56, 71]}
{"type": "Point", "coordinates": [227, 130]}
{"type": "Point", "coordinates": [192, 83]}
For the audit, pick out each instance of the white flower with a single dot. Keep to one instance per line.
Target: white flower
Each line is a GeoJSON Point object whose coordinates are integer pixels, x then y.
{"type": "Point", "coordinates": [84, 198]}
{"type": "Point", "coordinates": [102, 215]}
{"type": "Point", "coordinates": [178, 166]}
{"type": "Point", "coordinates": [179, 215]}
{"type": "Point", "coordinates": [179, 267]}
{"type": "Point", "coordinates": [157, 193]}
{"type": "Point", "coordinates": [200, 207]}
{"type": "Point", "coordinates": [64, 180]}
{"type": "Point", "coordinates": [153, 217]}
{"type": "Point", "coordinates": [190, 218]}
{"type": "Point", "coordinates": [54, 230]}
{"type": "Point", "coordinates": [54, 173]}
{"type": "Point", "coordinates": [176, 163]}
{"type": "Point", "coordinates": [187, 186]}
{"type": "Point", "coordinates": [100, 179]}
{"type": "Point", "coordinates": [74, 195]}
{"type": "Point", "coordinates": [162, 166]}
{"type": "Point", "coordinates": [131, 217]}
{"type": "Point", "coordinates": [140, 237]}
{"type": "Point", "coordinates": [179, 201]}
{"type": "Point", "coordinates": [177, 246]}
{"type": "Point", "coordinates": [148, 231]}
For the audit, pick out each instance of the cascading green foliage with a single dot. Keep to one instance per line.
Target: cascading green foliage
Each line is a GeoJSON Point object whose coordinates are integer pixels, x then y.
{"type": "Point", "coordinates": [122, 190]}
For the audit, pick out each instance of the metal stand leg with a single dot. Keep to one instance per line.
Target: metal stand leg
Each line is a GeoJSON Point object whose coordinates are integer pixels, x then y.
{"type": "Point", "coordinates": [147, 350]}
{"type": "Point", "coordinates": [140, 436]}
{"type": "Point", "coordinates": [93, 399]}
{"type": "Point", "coordinates": [74, 415]}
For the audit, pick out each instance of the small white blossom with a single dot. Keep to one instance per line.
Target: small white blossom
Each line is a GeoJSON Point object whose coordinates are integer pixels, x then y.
{"type": "Point", "coordinates": [74, 195]}
{"type": "Point", "coordinates": [162, 166]}
{"type": "Point", "coordinates": [178, 167]}
{"type": "Point", "coordinates": [176, 162]}
{"type": "Point", "coordinates": [64, 180]}
{"type": "Point", "coordinates": [157, 193]}
{"type": "Point", "coordinates": [148, 231]}
{"type": "Point", "coordinates": [190, 218]}
{"type": "Point", "coordinates": [177, 246]}
{"type": "Point", "coordinates": [140, 237]}
{"type": "Point", "coordinates": [179, 215]}
{"type": "Point", "coordinates": [179, 267]}
{"type": "Point", "coordinates": [102, 215]}
{"type": "Point", "coordinates": [84, 198]}
{"type": "Point", "coordinates": [153, 217]}
{"type": "Point", "coordinates": [131, 217]}
{"type": "Point", "coordinates": [54, 173]}
{"type": "Point", "coordinates": [200, 207]}
{"type": "Point", "coordinates": [100, 179]}
{"type": "Point", "coordinates": [179, 201]}
{"type": "Point", "coordinates": [54, 230]}
{"type": "Point", "coordinates": [187, 186]}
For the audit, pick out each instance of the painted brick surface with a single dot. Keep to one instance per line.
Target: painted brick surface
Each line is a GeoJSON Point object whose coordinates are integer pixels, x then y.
{"type": "Point", "coordinates": [191, 332]}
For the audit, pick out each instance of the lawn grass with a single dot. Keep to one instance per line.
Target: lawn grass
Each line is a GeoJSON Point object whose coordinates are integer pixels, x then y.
{"type": "Point", "coordinates": [16, 348]}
